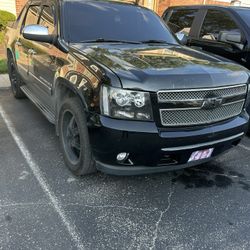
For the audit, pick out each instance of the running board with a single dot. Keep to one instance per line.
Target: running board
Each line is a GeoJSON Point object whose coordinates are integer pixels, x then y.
{"type": "Point", "coordinates": [49, 115]}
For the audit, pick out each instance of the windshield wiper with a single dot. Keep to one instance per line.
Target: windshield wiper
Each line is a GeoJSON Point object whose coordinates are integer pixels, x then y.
{"type": "Point", "coordinates": [155, 41]}
{"type": "Point", "coordinates": [102, 40]}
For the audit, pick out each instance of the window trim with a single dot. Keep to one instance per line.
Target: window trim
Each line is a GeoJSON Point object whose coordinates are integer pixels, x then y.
{"type": "Point", "coordinates": [20, 17]}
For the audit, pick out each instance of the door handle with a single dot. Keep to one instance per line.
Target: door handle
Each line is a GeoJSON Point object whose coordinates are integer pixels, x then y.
{"type": "Point", "coordinates": [32, 52]}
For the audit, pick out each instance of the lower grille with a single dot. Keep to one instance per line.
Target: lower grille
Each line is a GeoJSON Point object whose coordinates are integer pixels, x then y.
{"type": "Point", "coordinates": [199, 116]}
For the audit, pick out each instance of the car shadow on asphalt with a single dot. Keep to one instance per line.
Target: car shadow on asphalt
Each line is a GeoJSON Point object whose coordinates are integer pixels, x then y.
{"type": "Point", "coordinates": [213, 174]}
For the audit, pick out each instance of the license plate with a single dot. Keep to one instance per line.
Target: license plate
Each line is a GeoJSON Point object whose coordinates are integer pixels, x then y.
{"type": "Point", "coordinates": [201, 154]}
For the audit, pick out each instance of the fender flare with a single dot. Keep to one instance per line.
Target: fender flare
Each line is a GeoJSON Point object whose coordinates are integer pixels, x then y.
{"type": "Point", "coordinates": [70, 86]}
{"type": "Point", "coordinates": [62, 81]}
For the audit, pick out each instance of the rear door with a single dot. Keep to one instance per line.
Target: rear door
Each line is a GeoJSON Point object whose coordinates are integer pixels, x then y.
{"type": "Point", "coordinates": [211, 35]}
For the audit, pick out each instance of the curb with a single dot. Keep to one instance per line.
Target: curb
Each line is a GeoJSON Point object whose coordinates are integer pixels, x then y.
{"type": "Point", "coordinates": [4, 81]}
{"type": "Point", "coordinates": [4, 88]}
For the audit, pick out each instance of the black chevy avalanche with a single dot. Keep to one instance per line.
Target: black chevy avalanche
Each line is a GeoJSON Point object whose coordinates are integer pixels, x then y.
{"type": "Point", "coordinates": [125, 96]}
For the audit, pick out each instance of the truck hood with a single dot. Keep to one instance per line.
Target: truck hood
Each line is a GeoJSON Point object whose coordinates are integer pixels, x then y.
{"type": "Point", "coordinates": [153, 68]}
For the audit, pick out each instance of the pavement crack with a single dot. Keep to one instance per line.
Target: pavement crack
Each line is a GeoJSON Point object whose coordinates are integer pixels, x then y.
{"type": "Point", "coordinates": [162, 213]}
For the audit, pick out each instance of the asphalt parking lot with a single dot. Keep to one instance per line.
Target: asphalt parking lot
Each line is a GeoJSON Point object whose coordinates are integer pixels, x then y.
{"type": "Point", "coordinates": [42, 206]}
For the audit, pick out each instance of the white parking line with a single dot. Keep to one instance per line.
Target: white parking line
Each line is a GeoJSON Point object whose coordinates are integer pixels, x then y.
{"type": "Point", "coordinates": [244, 146]}
{"type": "Point", "coordinates": [42, 181]}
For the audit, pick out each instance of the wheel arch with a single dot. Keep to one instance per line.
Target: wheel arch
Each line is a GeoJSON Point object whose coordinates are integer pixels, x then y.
{"type": "Point", "coordinates": [9, 53]}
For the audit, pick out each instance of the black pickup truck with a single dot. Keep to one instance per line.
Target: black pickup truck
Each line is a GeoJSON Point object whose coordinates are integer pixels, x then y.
{"type": "Point", "coordinates": [124, 95]}
{"type": "Point", "coordinates": [222, 30]}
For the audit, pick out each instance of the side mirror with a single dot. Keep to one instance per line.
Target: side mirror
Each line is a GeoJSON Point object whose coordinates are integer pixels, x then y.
{"type": "Point", "coordinates": [38, 33]}
{"type": "Point", "coordinates": [234, 37]}
{"type": "Point", "coordinates": [230, 36]}
{"type": "Point", "coordinates": [182, 38]}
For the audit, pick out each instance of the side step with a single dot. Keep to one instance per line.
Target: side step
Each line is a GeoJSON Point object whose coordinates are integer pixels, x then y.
{"type": "Point", "coordinates": [46, 111]}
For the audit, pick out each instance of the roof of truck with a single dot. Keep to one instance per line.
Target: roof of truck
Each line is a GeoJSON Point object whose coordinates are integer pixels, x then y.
{"type": "Point", "coordinates": [134, 2]}
{"type": "Point", "coordinates": [210, 6]}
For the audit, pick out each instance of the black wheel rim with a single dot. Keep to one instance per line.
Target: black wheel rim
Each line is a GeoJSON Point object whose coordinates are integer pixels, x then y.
{"type": "Point", "coordinates": [71, 137]}
{"type": "Point", "coordinates": [13, 78]}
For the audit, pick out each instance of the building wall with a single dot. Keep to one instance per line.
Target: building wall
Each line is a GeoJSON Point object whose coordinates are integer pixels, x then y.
{"type": "Point", "coordinates": [158, 5]}
{"type": "Point", "coordinates": [8, 5]}
{"type": "Point", "coordinates": [19, 5]}
{"type": "Point", "coordinates": [245, 3]}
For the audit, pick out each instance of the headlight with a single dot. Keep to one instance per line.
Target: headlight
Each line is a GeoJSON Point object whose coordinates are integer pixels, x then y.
{"type": "Point", "coordinates": [126, 104]}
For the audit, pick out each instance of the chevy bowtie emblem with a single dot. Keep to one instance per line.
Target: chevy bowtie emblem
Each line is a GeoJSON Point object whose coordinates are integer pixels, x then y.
{"type": "Point", "coordinates": [212, 102]}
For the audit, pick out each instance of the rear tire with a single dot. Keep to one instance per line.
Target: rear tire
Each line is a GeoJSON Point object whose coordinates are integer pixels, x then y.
{"type": "Point", "coordinates": [15, 79]}
{"type": "Point", "coordinates": [74, 138]}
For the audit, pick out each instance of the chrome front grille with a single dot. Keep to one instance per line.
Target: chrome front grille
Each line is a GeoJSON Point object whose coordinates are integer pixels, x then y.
{"type": "Point", "coordinates": [192, 94]}
{"type": "Point", "coordinates": [200, 106]}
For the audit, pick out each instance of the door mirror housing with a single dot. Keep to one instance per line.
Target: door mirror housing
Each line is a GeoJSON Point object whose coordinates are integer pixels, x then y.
{"type": "Point", "coordinates": [234, 37]}
{"type": "Point", "coordinates": [183, 38]}
{"type": "Point", "coordinates": [38, 33]}
{"type": "Point", "coordinates": [230, 36]}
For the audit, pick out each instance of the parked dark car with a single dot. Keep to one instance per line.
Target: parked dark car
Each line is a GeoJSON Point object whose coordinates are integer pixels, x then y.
{"type": "Point", "coordinates": [217, 29]}
{"type": "Point", "coordinates": [125, 96]}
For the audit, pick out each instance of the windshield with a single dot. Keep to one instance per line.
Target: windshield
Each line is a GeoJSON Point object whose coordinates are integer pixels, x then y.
{"type": "Point", "coordinates": [245, 15]}
{"type": "Point", "coordinates": [97, 20]}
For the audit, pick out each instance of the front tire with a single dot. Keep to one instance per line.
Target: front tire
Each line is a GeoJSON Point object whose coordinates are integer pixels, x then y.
{"type": "Point", "coordinates": [15, 79]}
{"type": "Point", "coordinates": [74, 138]}
{"type": "Point", "coordinates": [248, 130]}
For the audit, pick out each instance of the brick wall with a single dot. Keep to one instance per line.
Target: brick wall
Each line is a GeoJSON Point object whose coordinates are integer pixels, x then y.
{"type": "Point", "coordinates": [164, 4]}
{"type": "Point", "coordinates": [19, 5]}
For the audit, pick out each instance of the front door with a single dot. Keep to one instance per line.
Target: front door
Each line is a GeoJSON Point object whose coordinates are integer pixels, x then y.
{"type": "Point", "coordinates": [42, 68]}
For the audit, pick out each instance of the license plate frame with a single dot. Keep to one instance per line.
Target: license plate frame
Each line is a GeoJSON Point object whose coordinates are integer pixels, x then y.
{"type": "Point", "coordinates": [201, 155]}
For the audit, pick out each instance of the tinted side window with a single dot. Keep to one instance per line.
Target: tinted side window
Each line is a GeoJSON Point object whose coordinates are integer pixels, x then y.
{"type": "Point", "coordinates": [48, 19]}
{"type": "Point", "coordinates": [182, 20]}
{"type": "Point", "coordinates": [215, 23]}
{"type": "Point", "coordinates": [32, 15]}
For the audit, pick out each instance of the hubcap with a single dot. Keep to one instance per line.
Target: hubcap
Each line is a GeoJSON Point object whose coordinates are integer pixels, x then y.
{"type": "Point", "coordinates": [71, 137]}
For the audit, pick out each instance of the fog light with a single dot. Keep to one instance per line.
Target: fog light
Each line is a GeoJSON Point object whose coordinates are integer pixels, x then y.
{"type": "Point", "coordinates": [122, 156]}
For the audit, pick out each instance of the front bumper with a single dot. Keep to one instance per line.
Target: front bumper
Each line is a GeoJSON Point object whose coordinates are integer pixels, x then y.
{"type": "Point", "coordinates": [154, 150]}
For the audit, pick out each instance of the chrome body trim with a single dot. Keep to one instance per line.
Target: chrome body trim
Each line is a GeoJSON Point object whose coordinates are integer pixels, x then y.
{"type": "Point", "coordinates": [202, 89]}
{"type": "Point", "coordinates": [202, 144]}
{"type": "Point", "coordinates": [200, 107]}
{"type": "Point", "coordinates": [48, 88]}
